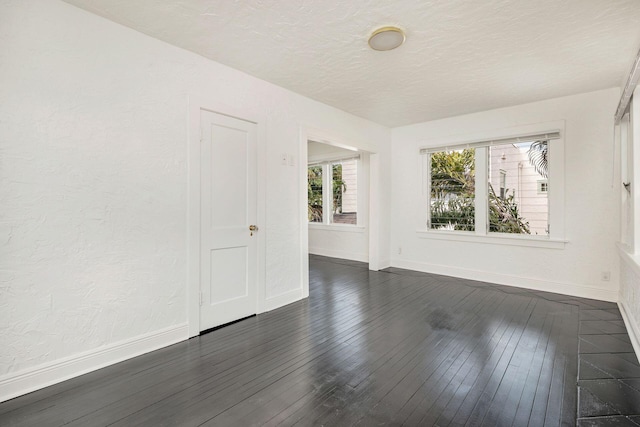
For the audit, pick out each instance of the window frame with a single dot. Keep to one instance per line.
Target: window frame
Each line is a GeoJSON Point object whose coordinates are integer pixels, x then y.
{"type": "Point", "coordinates": [543, 186]}
{"type": "Point", "coordinates": [556, 196]}
{"type": "Point", "coordinates": [503, 183]}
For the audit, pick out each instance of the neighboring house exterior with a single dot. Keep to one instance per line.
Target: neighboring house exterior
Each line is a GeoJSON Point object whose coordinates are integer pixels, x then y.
{"type": "Point", "coordinates": [350, 179]}
{"type": "Point", "coordinates": [511, 173]}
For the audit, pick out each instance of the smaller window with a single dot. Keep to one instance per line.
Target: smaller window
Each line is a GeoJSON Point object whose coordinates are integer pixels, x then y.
{"type": "Point", "coordinates": [332, 192]}
{"type": "Point", "coordinates": [543, 186]}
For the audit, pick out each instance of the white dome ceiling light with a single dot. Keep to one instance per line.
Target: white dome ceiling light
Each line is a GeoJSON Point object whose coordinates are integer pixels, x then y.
{"type": "Point", "coordinates": [386, 38]}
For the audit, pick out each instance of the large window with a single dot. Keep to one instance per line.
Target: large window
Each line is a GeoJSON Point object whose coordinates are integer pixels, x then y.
{"type": "Point", "coordinates": [499, 186]}
{"type": "Point", "coordinates": [340, 204]}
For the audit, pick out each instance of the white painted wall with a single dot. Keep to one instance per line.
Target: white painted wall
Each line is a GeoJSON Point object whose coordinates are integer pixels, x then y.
{"type": "Point", "coordinates": [591, 202]}
{"type": "Point", "coordinates": [93, 143]}
{"type": "Point", "coordinates": [339, 242]}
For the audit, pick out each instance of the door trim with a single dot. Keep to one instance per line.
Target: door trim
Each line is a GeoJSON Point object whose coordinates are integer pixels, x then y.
{"type": "Point", "coordinates": [195, 105]}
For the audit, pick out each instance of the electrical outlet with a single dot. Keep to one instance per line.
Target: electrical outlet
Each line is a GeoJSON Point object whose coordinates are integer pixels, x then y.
{"type": "Point", "coordinates": [399, 250]}
{"type": "Point", "coordinates": [605, 276]}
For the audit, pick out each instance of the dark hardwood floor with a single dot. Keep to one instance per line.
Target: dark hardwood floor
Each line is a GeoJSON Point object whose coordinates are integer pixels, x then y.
{"type": "Point", "coordinates": [394, 347]}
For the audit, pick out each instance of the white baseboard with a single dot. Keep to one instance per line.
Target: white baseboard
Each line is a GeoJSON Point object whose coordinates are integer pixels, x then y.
{"type": "Point", "coordinates": [511, 280]}
{"type": "Point", "coordinates": [282, 299]}
{"type": "Point", "coordinates": [333, 253]}
{"type": "Point", "coordinates": [19, 383]}
{"type": "Point", "coordinates": [633, 327]}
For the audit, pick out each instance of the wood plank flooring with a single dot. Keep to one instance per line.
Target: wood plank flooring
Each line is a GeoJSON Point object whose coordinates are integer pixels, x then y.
{"type": "Point", "coordinates": [394, 347]}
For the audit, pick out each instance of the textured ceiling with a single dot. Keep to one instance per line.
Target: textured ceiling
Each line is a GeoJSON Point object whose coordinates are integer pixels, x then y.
{"type": "Point", "coordinates": [461, 56]}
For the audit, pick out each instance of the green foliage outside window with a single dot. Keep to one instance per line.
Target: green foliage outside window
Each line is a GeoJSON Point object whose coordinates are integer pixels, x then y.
{"type": "Point", "coordinates": [453, 190]}
{"type": "Point", "coordinates": [503, 214]}
{"type": "Point", "coordinates": [314, 193]}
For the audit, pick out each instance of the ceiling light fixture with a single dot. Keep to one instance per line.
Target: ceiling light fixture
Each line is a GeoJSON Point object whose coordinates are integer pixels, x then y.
{"type": "Point", "coordinates": [386, 38]}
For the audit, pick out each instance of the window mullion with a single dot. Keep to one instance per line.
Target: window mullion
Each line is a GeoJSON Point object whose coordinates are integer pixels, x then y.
{"type": "Point", "coordinates": [426, 191]}
{"type": "Point", "coordinates": [482, 191]}
{"type": "Point", "coordinates": [327, 193]}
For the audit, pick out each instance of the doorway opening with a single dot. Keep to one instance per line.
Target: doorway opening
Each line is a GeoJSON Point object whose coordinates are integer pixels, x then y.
{"type": "Point", "coordinates": [343, 219]}
{"type": "Point", "coordinates": [337, 201]}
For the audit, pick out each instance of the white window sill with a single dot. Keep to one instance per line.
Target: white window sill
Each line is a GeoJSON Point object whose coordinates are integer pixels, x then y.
{"type": "Point", "coordinates": [337, 227]}
{"type": "Point", "coordinates": [494, 238]}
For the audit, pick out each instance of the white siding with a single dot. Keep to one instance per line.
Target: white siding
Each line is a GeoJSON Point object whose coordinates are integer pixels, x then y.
{"type": "Point", "coordinates": [350, 178]}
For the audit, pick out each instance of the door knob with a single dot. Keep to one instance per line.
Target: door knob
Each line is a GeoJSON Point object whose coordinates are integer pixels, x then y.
{"type": "Point", "coordinates": [253, 228]}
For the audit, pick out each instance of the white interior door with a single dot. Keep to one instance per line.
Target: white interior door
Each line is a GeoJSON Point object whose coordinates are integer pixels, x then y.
{"type": "Point", "coordinates": [228, 248]}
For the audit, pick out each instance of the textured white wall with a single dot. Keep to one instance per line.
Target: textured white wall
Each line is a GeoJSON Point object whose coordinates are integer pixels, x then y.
{"type": "Point", "coordinates": [591, 203]}
{"type": "Point", "coordinates": [93, 144]}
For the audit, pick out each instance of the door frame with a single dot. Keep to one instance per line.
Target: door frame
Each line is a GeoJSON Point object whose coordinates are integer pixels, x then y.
{"type": "Point", "coordinates": [308, 133]}
{"type": "Point", "coordinates": [195, 105]}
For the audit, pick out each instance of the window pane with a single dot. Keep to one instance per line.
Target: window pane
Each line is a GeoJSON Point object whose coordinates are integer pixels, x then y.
{"type": "Point", "coordinates": [345, 192]}
{"type": "Point", "coordinates": [518, 186]}
{"type": "Point", "coordinates": [453, 182]}
{"type": "Point", "coordinates": [314, 191]}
